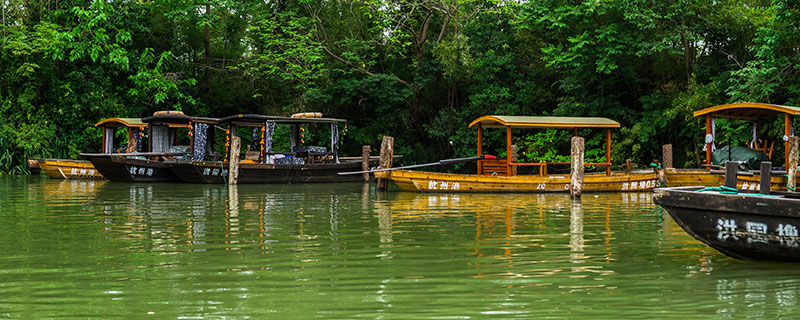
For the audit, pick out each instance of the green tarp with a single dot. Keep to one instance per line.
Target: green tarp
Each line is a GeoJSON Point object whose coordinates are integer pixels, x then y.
{"type": "Point", "coordinates": [750, 159]}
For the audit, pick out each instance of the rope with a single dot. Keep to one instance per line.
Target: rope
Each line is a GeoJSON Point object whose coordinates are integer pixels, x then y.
{"type": "Point", "coordinates": [787, 183]}
{"type": "Point", "coordinates": [729, 190]}
{"type": "Point", "coordinates": [222, 170]}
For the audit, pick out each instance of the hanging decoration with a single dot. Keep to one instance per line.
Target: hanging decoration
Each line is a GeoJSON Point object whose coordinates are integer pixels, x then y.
{"type": "Point", "coordinates": [227, 142]}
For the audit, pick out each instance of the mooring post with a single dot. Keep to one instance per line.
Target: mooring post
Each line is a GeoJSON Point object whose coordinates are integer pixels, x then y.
{"type": "Point", "coordinates": [512, 157]}
{"type": "Point", "coordinates": [666, 155]}
{"type": "Point", "coordinates": [792, 169]}
{"type": "Point", "coordinates": [627, 165]}
{"type": "Point", "coordinates": [576, 167]}
{"type": "Point", "coordinates": [731, 168]}
{"type": "Point", "coordinates": [365, 162]}
{"type": "Point", "coordinates": [233, 162]}
{"type": "Point", "coordinates": [765, 184]}
{"type": "Point", "coordinates": [387, 153]}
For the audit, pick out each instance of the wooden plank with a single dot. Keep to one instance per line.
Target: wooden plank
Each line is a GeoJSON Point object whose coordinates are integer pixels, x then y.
{"type": "Point", "coordinates": [764, 184]}
{"type": "Point", "coordinates": [365, 162]}
{"type": "Point", "coordinates": [791, 170]}
{"type": "Point", "coordinates": [233, 162]}
{"type": "Point", "coordinates": [512, 158]}
{"type": "Point", "coordinates": [387, 152]}
{"type": "Point", "coordinates": [731, 168]}
{"type": "Point", "coordinates": [508, 151]}
{"type": "Point", "coordinates": [666, 158]}
{"type": "Point", "coordinates": [576, 167]}
{"type": "Point", "coordinates": [608, 151]}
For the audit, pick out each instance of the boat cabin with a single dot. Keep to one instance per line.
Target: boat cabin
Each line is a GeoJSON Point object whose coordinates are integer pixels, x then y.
{"type": "Point", "coordinates": [174, 133]}
{"type": "Point", "coordinates": [262, 149]}
{"type": "Point", "coordinates": [753, 112]}
{"type": "Point", "coordinates": [135, 128]}
{"type": "Point", "coordinates": [508, 166]}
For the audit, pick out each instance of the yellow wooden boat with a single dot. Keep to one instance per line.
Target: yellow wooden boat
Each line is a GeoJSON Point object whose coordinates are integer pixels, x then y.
{"type": "Point", "coordinates": [82, 169]}
{"type": "Point", "coordinates": [745, 111]}
{"type": "Point", "coordinates": [68, 169]}
{"type": "Point", "coordinates": [500, 175]}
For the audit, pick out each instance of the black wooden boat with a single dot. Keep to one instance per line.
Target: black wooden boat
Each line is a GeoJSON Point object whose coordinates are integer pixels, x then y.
{"type": "Point", "coordinates": [742, 225]}
{"type": "Point", "coordinates": [164, 129]}
{"type": "Point", "coordinates": [262, 164]}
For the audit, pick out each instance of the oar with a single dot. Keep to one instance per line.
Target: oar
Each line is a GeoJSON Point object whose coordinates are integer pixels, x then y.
{"type": "Point", "coordinates": [437, 163]}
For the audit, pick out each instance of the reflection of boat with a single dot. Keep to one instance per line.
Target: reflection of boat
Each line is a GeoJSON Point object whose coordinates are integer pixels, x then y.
{"type": "Point", "coordinates": [163, 145]}
{"type": "Point", "coordinates": [82, 169]}
{"type": "Point", "coordinates": [261, 163]}
{"type": "Point", "coordinates": [744, 226]}
{"type": "Point", "coordinates": [745, 111]}
{"type": "Point", "coordinates": [71, 192]}
{"type": "Point", "coordinates": [500, 175]}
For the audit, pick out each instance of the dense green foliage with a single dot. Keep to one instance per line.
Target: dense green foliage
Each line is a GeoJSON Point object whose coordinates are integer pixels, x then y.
{"type": "Point", "coordinates": [418, 70]}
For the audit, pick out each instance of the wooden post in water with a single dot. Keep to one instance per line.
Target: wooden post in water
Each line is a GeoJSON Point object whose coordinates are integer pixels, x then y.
{"type": "Point", "coordinates": [365, 162]}
{"type": "Point", "coordinates": [512, 157]}
{"type": "Point", "coordinates": [792, 169]}
{"type": "Point", "coordinates": [233, 162]}
{"type": "Point", "coordinates": [576, 167]}
{"type": "Point", "coordinates": [766, 169]}
{"type": "Point", "coordinates": [387, 153]}
{"type": "Point", "coordinates": [731, 168]}
{"type": "Point", "coordinates": [627, 165]}
{"type": "Point", "coordinates": [666, 158]}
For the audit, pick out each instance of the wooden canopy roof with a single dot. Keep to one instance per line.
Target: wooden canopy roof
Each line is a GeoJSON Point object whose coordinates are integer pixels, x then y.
{"type": "Point", "coordinates": [257, 118]}
{"type": "Point", "coordinates": [121, 122]}
{"type": "Point", "coordinates": [494, 121]}
{"type": "Point", "coordinates": [749, 111]}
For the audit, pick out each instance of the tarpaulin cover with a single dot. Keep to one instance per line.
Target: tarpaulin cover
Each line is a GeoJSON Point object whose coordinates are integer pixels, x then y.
{"type": "Point", "coordinates": [750, 159]}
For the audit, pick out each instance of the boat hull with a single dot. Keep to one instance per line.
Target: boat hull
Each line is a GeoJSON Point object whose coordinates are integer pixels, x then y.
{"type": "Point", "coordinates": [117, 168]}
{"type": "Point", "coordinates": [447, 182]}
{"type": "Point", "coordinates": [216, 172]}
{"type": "Point", "coordinates": [68, 169]}
{"type": "Point", "coordinates": [708, 178]}
{"type": "Point", "coordinates": [740, 226]}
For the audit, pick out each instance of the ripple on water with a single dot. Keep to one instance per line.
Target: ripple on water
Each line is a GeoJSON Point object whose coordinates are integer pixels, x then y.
{"type": "Point", "coordinates": [117, 250]}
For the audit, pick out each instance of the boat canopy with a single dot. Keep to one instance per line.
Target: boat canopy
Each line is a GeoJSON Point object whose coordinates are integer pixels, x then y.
{"type": "Point", "coordinates": [493, 121]}
{"type": "Point", "coordinates": [258, 119]}
{"type": "Point", "coordinates": [749, 111]}
{"type": "Point", "coordinates": [121, 122]}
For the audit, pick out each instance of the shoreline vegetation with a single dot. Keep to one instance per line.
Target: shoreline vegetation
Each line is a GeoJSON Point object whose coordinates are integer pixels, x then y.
{"type": "Point", "coordinates": [417, 70]}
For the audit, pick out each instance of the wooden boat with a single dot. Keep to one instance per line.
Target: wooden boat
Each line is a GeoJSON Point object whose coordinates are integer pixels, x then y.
{"type": "Point", "coordinates": [747, 180]}
{"type": "Point", "coordinates": [741, 225]}
{"type": "Point", "coordinates": [82, 169]}
{"type": "Point", "coordinates": [262, 164]}
{"type": "Point", "coordinates": [500, 175]}
{"type": "Point", "coordinates": [164, 132]}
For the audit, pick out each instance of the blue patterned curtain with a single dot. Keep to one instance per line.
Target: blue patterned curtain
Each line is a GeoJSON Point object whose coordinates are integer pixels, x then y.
{"type": "Point", "coordinates": [200, 139]}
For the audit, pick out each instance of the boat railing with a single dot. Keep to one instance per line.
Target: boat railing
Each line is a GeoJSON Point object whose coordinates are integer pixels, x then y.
{"type": "Point", "coordinates": [501, 166]}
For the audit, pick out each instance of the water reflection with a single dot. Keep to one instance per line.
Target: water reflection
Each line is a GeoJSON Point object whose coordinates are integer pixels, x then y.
{"type": "Point", "coordinates": [300, 251]}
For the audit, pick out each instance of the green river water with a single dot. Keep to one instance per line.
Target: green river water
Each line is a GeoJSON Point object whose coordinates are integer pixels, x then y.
{"type": "Point", "coordinates": [97, 249]}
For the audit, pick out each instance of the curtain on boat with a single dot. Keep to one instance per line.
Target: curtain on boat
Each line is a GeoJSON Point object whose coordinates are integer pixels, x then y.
{"type": "Point", "coordinates": [254, 139]}
{"type": "Point", "coordinates": [160, 138]}
{"type": "Point", "coordinates": [108, 144]}
{"type": "Point", "coordinates": [335, 142]}
{"type": "Point", "coordinates": [137, 139]}
{"type": "Point", "coordinates": [200, 138]}
{"type": "Point", "coordinates": [268, 142]}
